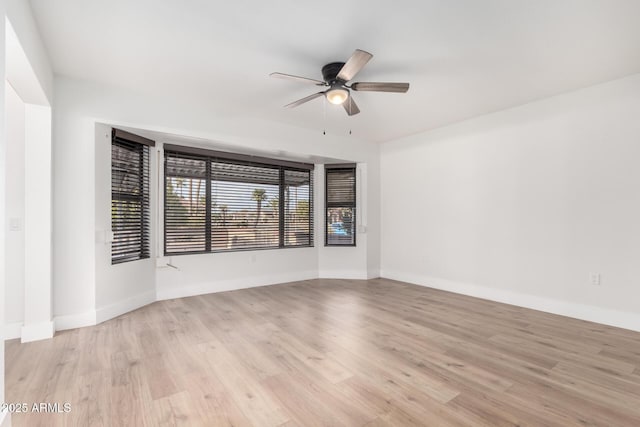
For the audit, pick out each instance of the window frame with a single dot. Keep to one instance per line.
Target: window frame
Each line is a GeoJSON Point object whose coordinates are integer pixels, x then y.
{"type": "Point", "coordinates": [213, 156]}
{"type": "Point", "coordinates": [340, 167]}
{"type": "Point", "coordinates": [141, 146]}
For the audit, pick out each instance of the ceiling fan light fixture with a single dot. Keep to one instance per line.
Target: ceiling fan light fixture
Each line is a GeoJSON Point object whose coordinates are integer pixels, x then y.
{"type": "Point", "coordinates": [337, 95]}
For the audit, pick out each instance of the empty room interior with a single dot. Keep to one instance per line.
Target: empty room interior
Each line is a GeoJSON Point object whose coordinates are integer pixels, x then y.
{"type": "Point", "coordinates": [414, 213]}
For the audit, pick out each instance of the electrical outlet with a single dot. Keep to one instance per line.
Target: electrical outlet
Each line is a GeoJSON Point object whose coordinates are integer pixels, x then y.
{"type": "Point", "coordinates": [594, 279]}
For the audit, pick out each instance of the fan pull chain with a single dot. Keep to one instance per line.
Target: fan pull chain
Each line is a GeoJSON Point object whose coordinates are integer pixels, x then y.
{"type": "Point", "coordinates": [324, 115]}
{"type": "Point", "coordinates": [350, 108]}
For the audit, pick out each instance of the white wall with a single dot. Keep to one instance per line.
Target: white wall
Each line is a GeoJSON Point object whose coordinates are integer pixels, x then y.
{"type": "Point", "coordinates": [522, 205]}
{"type": "Point", "coordinates": [372, 206]}
{"type": "Point", "coordinates": [14, 211]}
{"type": "Point", "coordinates": [199, 274]}
{"type": "Point", "coordinates": [85, 281]}
{"type": "Point", "coordinates": [38, 322]}
{"type": "Point", "coordinates": [74, 231]}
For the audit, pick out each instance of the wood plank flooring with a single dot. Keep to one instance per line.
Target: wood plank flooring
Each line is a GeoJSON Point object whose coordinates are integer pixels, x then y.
{"type": "Point", "coordinates": [331, 353]}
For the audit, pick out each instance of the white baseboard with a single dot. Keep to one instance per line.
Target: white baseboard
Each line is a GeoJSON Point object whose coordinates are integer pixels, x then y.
{"type": "Point", "coordinates": [73, 321]}
{"type": "Point", "coordinates": [121, 307]}
{"type": "Point", "coordinates": [5, 419]}
{"type": "Point", "coordinates": [93, 317]}
{"type": "Point", "coordinates": [605, 316]}
{"type": "Point", "coordinates": [12, 330]}
{"type": "Point", "coordinates": [232, 284]}
{"type": "Point", "coordinates": [343, 274]}
{"type": "Point", "coordinates": [37, 331]}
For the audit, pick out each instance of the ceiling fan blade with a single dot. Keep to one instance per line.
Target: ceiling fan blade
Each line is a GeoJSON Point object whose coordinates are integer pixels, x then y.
{"type": "Point", "coordinates": [381, 87]}
{"type": "Point", "coordinates": [357, 61]}
{"type": "Point", "coordinates": [350, 106]}
{"type": "Point", "coordinates": [303, 100]}
{"type": "Point", "coordinates": [297, 78]}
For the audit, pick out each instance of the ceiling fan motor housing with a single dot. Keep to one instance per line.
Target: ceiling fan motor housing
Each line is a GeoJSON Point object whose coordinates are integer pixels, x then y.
{"type": "Point", "coordinates": [330, 72]}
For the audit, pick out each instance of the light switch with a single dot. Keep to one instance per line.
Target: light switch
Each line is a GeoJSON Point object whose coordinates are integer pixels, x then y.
{"type": "Point", "coordinates": [15, 224]}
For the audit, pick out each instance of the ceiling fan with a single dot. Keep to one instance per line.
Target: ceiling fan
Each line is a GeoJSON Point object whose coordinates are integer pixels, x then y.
{"type": "Point", "coordinates": [337, 76]}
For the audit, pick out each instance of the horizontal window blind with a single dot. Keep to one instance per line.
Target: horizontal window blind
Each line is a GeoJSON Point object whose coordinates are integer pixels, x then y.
{"type": "Point", "coordinates": [245, 201]}
{"type": "Point", "coordinates": [340, 184]}
{"type": "Point", "coordinates": [298, 208]}
{"type": "Point", "coordinates": [215, 204]}
{"type": "Point", "coordinates": [129, 200]}
{"type": "Point", "coordinates": [185, 204]}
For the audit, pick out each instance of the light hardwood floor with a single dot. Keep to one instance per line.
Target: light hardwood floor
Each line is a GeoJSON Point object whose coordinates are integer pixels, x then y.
{"type": "Point", "coordinates": [332, 353]}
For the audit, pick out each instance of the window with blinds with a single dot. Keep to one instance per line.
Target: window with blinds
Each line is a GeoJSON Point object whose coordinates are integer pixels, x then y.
{"type": "Point", "coordinates": [218, 202]}
{"type": "Point", "coordinates": [129, 197]}
{"type": "Point", "coordinates": [340, 185]}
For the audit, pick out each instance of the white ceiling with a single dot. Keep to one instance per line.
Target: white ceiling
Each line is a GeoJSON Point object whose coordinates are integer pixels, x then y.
{"type": "Point", "coordinates": [463, 58]}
